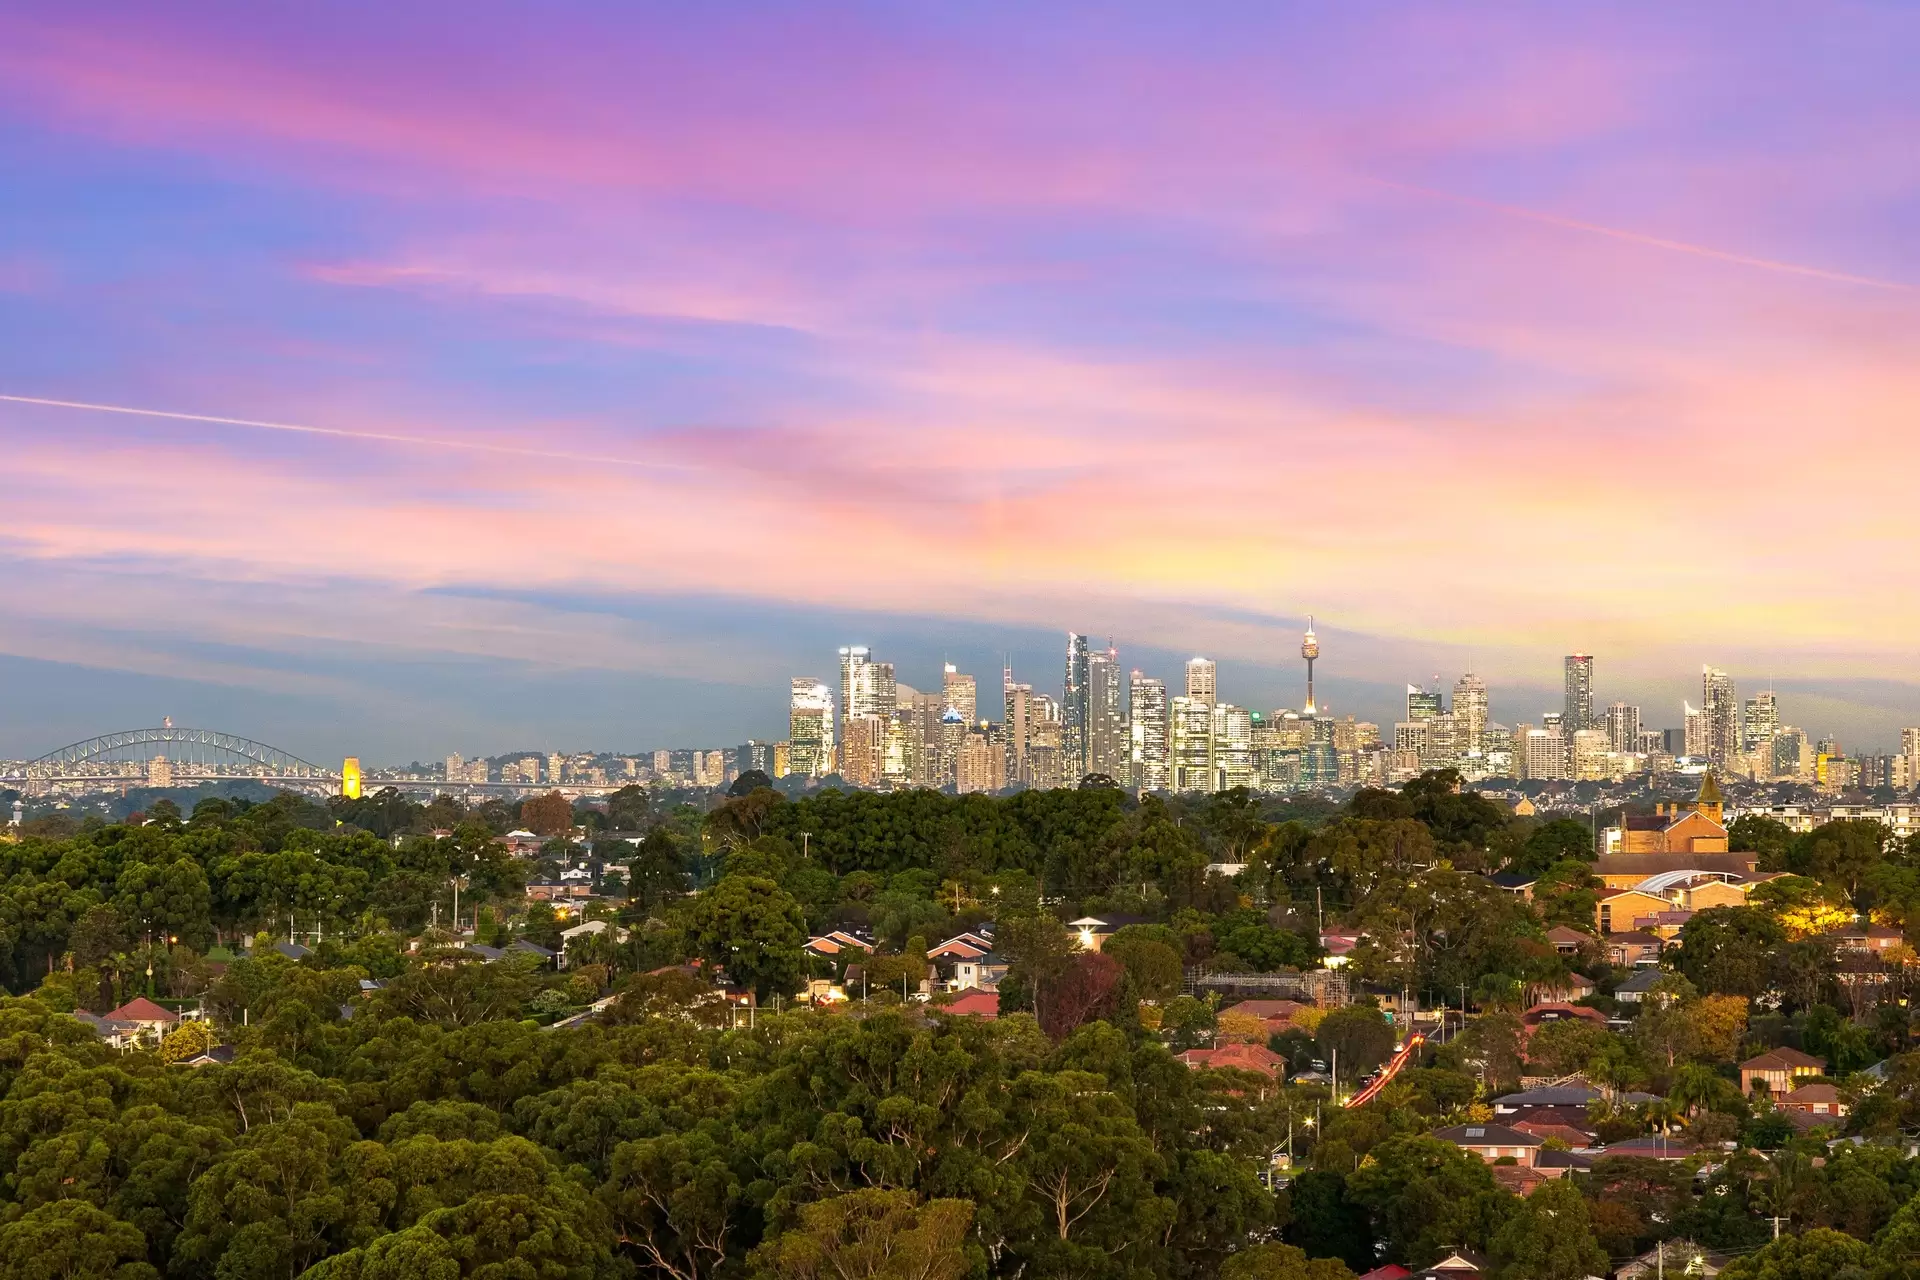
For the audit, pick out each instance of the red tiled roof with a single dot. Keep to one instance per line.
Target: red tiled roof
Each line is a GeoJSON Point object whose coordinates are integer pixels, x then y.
{"type": "Point", "coordinates": [973, 1003]}
{"type": "Point", "coordinates": [141, 1009]}
{"type": "Point", "coordinates": [1783, 1059]}
{"type": "Point", "coordinates": [1242, 1057]}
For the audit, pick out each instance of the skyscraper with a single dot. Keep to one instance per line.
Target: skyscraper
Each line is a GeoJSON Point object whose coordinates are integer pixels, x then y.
{"type": "Point", "coordinates": [1107, 745]}
{"type": "Point", "coordinates": [1470, 716]}
{"type": "Point", "coordinates": [1200, 681]}
{"type": "Point", "coordinates": [1761, 722]}
{"type": "Point", "coordinates": [1579, 699]}
{"type": "Point", "coordinates": [1147, 733]}
{"type": "Point", "coordinates": [960, 692]}
{"type": "Point", "coordinates": [1693, 734]}
{"type": "Point", "coordinates": [853, 663]}
{"type": "Point", "coordinates": [1623, 727]}
{"type": "Point", "coordinates": [1720, 710]}
{"type": "Point", "coordinates": [1422, 705]}
{"type": "Point", "coordinates": [1075, 711]}
{"type": "Point", "coordinates": [810, 728]}
{"type": "Point", "coordinates": [1190, 741]}
{"type": "Point", "coordinates": [1015, 731]}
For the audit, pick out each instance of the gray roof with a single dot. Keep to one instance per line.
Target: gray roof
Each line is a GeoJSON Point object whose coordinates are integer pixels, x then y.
{"type": "Point", "coordinates": [1643, 979]}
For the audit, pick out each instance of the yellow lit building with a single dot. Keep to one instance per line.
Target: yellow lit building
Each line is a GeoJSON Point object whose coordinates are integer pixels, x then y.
{"type": "Point", "coordinates": [350, 778]}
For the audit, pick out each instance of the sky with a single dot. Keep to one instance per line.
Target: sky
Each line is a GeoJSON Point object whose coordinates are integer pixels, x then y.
{"type": "Point", "coordinates": [405, 378]}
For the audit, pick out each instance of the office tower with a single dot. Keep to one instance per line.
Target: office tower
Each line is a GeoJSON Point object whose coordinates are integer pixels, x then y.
{"type": "Point", "coordinates": [1310, 649]}
{"type": "Point", "coordinates": [1587, 755]}
{"type": "Point", "coordinates": [556, 769]}
{"type": "Point", "coordinates": [1470, 716]}
{"type": "Point", "coordinates": [1653, 741]}
{"type": "Point", "coordinates": [928, 762]}
{"type": "Point", "coordinates": [1442, 749]}
{"type": "Point", "coordinates": [1422, 705]}
{"type": "Point", "coordinates": [866, 687]}
{"type": "Point", "coordinates": [960, 693]}
{"type": "Point", "coordinates": [1147, 734]}
{"type": "Point", "coordinates": [1693, 733]}
{"type": "Point", "coordinates": [716, 762]}
{"type": "Point", "coordinates": [1015, 731]}
{"type": "Point", "coordinates": [1107, 731]}
{"type": "Point", "coordinates": [1412, 736]}
{"type": "Point", "coordinates": [1761, 722]}
{"type": "Point", "coordinates": [810, 735]}
{"type": "Point", "coordinates": [1720, 712]}
{"type": "Point", "coordinates": [782, 759]}
{"type": "Point", "coordinates": [1046, 752]}
{"type": "Point", "coordinates": [1579, 692]}
{"type": "Point", "coordinates": [1200, 681]}
{"type": "Point", "coordinates": [1623, 727]}
{"type": "Point", "coordinates": [1075, 713]}
{"type": "Point", "coordinates": [1232, 747]}
{"type": "Point", "coordinates": [862, 754]}
{"type": "Point", "coordinates": [1190, 742]}
{"type": "Point", "coordinates": [978, 766]}
{"type": "Point", "coordinates": [1547, 752]}
{"type": "Point", "coordinates": [1910, 750]}
{"type": "Point", "coordinates": [456, 768]}
{"type": "Point", "coordinates": [953, 736]}
{"type": "Point", "coordinates": [757, 755]}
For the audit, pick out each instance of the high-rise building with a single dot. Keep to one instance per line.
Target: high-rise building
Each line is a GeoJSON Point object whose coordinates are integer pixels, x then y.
{"type": "Point", "coordinates": [1761, 722]}
{"type": "Point", "coordinates": [1107, 730]}
{"type": "Point", "coordinates": [1546, 752]}
{"type": "Point", "coordinates": [1422, 705]}
{"type": "Point", "coordinates": [456, 768]}
{"type": "Point", "coordinates": [1623, 727]}
{"type": "Point", "coordinates": [1910, 750]}
{"type": "Point", "coordinates": [1579, 692]}
{"type": "Point", "coordinates": [1587, 751]}
{"type": "Point", "coordinates": [1015, 729]}
{"type": "Point", "coordinates": [979, 765]}
{"type": "Point", "coordinates": [1046, 756]}
{"type": "Point", "coordinates": [1470, 716]}
{"type": "Point", "coordinates": [1233, 747]}
{"type": "Point", "coordinates": [1693, 734]}
{"type": "Point", "coordinates": [1720, 710]}
{"type": "Point", "coordinates": [160, 772]}
{"type": "Point", "coordinates": [556, 769]}
{"type": "Point", "coordinates": [1200, 681]}
{"type": "Point", "coordinates": [810, 735]}
{"type": "Point", "coordinates": [960, 693]}
{"type": "Point", "coordinates": [1147, 732]}
{"type": "Point", "coordinates": [1190, 743]}
{"type": "Point", "coordinates": [866, 687]}
{"type": "Point", "coordinates": [663, 759]}
{"type": "Point", "coordinates": [863, 753]}
{"type": "Point", "coordinates": [1075, 710]}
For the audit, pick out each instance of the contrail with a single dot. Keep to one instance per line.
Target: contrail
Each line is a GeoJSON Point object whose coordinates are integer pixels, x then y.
{"type": "Point", "coordinates": [383, 437]}
{"type": "Point", "coordinates": [1654, 242]}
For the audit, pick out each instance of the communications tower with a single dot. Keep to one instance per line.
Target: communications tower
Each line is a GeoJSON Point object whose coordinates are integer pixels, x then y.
{"type": "Point", "coordinates": [1310, 649]}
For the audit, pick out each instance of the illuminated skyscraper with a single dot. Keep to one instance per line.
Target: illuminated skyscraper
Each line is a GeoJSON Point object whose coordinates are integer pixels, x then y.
{"type": "Point", "coordinates": [1200, 681]}
{"type": "Point", "coordinates": [1579, 693]}
{"type": "Point", "coordinates": [1720, 710]}
{"type": "Point", "coordinates": [1422, 705]}
{"type": "Point", "coordinates": [350, 778]}
{"type": "Point", "coordinates": [866, 686]}
{"type": "Point", "coordinates": [960, 692]}
{"type": "Point", "coordinates": [1075, 710]}
{"type": "Point", "coordinates": [1190, 742]}
{"type": "Point", "coordinates": [1015, 731]}
{"type": "Point", "coordinates": [1232, 747]}
{"type": "Point", "coordinates": [810, 728]}
{"type": "Point", "coordinates": [1693, 733]}
{"type": "Point", "coordinates": [1147, 733]}
{"type": "Point", "coordinates": [1107, 744]}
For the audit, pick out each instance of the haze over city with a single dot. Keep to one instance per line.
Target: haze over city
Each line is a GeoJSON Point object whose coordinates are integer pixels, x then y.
{"type": "Point", "coordinates": [576, 385]}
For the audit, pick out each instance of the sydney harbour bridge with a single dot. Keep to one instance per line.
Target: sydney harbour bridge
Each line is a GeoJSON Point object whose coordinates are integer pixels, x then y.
{"type": "Point", "coordinates": [172, 756]}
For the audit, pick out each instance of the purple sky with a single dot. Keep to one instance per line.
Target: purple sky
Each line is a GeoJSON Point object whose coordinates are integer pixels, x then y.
{"type": "Point", "coordinates": [657, 350]}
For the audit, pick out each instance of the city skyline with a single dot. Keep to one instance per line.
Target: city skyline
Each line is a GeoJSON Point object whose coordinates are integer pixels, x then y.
{"type": "Point", "coordinates": [550, 389]}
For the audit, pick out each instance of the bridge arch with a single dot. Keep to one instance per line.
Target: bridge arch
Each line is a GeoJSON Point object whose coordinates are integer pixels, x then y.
{"type": "Point", "coordinates": [189, 752]}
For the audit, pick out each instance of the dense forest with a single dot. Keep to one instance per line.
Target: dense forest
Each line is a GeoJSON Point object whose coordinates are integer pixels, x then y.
{"type": "Point", "coordinates": [401, 1098]}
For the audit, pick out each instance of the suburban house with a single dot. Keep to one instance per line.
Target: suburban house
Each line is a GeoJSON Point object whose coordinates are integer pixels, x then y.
{"type": "Point", "coordinates": [1635, 989]}
{"type": "Point", "coordinates": [1093, 931]}
{"type": "Point", "coordinates": [117, 1035]}
{"type": "Point", "coordinates": [1658, 1146]}
{"type": "Point", "coordinates": [1555, 1011]}
{"type": "Point", "coordinates": [1634, 948]}
{"type": "Point", "coordinates": [1455, 1266]}
{"type": "Point", "coordinates": [1815, 1100]}
{"type": "Point", "coordinates": [1866, 939]}
{"type": "Point", "coordinates": [1277, 1014]}
{"type": "Point", "coordinates": [1519, 884]}
{"type": "Point", "coordinates": [1240, 1057]}
{"type": "Point", "coordinates": [1492, 1141]}
{"type": "Point", "coordinates": [591, 929]}
{"type": "Point", "coordinates": [146, 1016]}
{"type": "Point", "coordinates": [1623, 910]}
{"type": "Point", "coordinates": [834, 945]}
{"type": "Point", "coordinates": [1679, 1258]}
{"type": "Point", "coordinates": [1568, 942]}
{"type": "Point", "coordinates": [1546, 1111]}
{"type": "Point", "coordinates": [1779, 1071]}
{"type": "Point", "coordinates": [972, 1004]}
